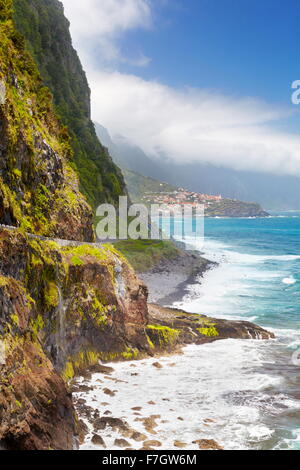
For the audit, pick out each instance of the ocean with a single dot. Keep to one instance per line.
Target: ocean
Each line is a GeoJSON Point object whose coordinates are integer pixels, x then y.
{"type": "Point", "coordinates": [258, 279]}
{"type": "Point", "coordinates": [245, 394]}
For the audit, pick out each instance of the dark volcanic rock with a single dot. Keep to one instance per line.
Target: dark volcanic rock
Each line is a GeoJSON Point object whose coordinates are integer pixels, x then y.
{"type": "Point", "coordinates": [101, 369]}
{"type": "Point", "coordinates": [121, 443]}
{"type": "Point", "coordinates": [169, 328]}
{"type": "Point", "coordinates": [98, 441]}
{"type": "Point", "coordinates": [114, 423]}
{"type": "Point", "coordinates": [208, 444]}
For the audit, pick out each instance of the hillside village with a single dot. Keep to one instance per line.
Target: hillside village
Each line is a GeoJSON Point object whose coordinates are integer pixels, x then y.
{"type": "Point", "coordinates": [214, 205]}
{"type": "Point", "coordinates": [181, 197]}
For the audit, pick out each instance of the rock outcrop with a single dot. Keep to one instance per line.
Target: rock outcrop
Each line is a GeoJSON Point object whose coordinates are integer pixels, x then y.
{"type": "Point", "coordinates": [235, 208]}
{"type": "Point", "coordinates": [169, 329]}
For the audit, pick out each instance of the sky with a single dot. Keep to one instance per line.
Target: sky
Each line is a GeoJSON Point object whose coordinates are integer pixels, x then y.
{"type": "Point", "coordinates": [195, 80]}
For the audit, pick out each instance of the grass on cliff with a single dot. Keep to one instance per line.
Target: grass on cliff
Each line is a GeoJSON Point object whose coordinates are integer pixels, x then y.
{"type": "Point", "coordinates": [144, 255]}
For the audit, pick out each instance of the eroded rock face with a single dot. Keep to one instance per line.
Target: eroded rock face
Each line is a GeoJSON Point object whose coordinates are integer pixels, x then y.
{"type": "Point", "coordinates": [60, 312]}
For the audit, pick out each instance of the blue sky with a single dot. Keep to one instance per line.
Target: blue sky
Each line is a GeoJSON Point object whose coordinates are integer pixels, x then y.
{"type": "Point", "coordinates": [205, 80]}
{"type": "Point", "coordinates": [246, 47]}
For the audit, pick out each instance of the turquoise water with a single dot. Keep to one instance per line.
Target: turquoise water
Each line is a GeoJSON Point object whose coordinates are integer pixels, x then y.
{"type": "Point", "coordinates": [272, 247]}
{"type": "Point", "coordinates": [258, 279]}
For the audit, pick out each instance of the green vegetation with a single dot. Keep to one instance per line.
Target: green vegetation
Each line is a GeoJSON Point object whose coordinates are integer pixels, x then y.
{"type": "Point", "coordinates": [144, 255]}
{"type": "Point", "coordinates": [46, 30]}
{"type": "Point", "coordinates": [86, 250]}
{"type": "Point", "coordinates": [163, 336]}
{"type": "Point", "coordinates": [210, 331]}
{"type": "Point", "coordinates": [234, 208]}
{"type": "Point", "coordinates": [51, 295]}
{"type": "Point", "coordinates": [36, 179]}
{"type": "Point", "coordinates": [86, 358]}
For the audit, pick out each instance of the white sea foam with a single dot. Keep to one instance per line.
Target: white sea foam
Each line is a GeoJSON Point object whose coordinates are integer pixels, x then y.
{"type": "Point", "coordinates": [212, 387]}
{"type": "Point", "coordinates": [223, 390]}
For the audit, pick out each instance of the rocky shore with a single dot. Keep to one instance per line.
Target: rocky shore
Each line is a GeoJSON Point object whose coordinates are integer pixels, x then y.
{"type": "Point", "coordinates": [116, 413]}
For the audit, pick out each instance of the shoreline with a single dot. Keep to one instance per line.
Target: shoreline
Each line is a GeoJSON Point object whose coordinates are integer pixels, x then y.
{"type": "Point", "coordinates": [110, 419]}
{"type": "Point", "coordinates": [168, 282]}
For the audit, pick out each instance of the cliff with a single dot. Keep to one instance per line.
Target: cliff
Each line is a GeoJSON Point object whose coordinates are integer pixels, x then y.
{"type": "Point", "coordinates": [235, 208]}
{"type": "Point", "coordinates": [61, 310]}
{"type": "Point", "coordinates": [43, 24]}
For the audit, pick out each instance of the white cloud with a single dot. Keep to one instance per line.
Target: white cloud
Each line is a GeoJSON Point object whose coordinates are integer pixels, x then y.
{"type": "Point", "coordinates": [194, 125]}
{"type": "Point", "coordinates": [99, 25]}
{"type": "Point", "coordinates": [186, 125]}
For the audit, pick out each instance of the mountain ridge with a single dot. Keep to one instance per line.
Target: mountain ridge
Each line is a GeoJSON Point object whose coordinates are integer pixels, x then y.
{"type": "Point", "coordinates": [273, 192]}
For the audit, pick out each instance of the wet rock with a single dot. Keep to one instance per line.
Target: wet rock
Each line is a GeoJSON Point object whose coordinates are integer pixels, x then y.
{"type": "Point", "coordinates": [152, 444]}
{"type": "Point", "coordinates": [179, 444]}
{"type": "Point", "coordinates": [199, 329]}
{"type": "Point", "coordinates": [208, 444]}
{"type": "Point", "coordinates": [82, 388]}
{"type": "Point", "coordinates": [109, 392]}
{"type": "Point", "coordinates": [86, 375]}
{"type": "Point", "coordinates": [85, 411]}
{"type": "Point", "coordinates": [115, 423]}
{"type": "Point", "coordinates": [81, 401]}
{"type": "Point", "coordinates": [121, 443]}
{"type": "Point", "coordinates": [98, 441]}
{"type": "Point", "coordinates": [157, 365]}
{"type": "Point", "coordinates": [96, 414]}
{"type": "Point", "coordinates": [101, 369]}
{"type": "Point", "coordinates": [138, 437]}
{"type": "Point", "coordinates": [82, 431]}
{"type": "Point", "coordinates": [149, 423]}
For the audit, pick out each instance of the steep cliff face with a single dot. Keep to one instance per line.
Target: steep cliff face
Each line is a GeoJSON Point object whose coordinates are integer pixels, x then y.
{"type": "Point", "coordinates": [61, 310]}
{"type": "Point", "coordinates": [38, 188]}
{"type": "Point", "coordinates": [46, 30]}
